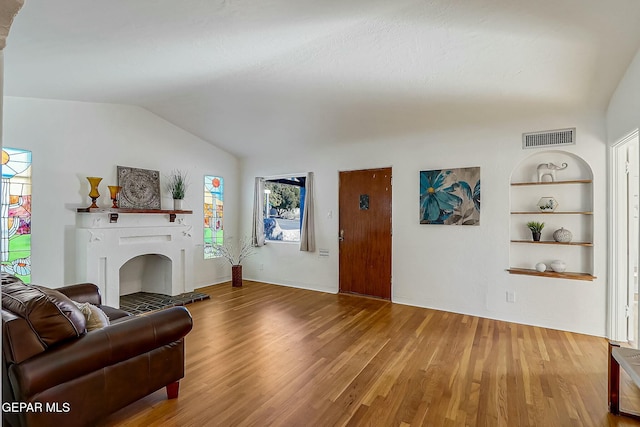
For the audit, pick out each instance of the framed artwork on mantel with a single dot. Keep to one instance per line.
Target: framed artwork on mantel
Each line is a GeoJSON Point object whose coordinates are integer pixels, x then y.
{"type": "Point", "coordinates": [140, 188]}
{"type": "Point", "coordinates": [450, 196]}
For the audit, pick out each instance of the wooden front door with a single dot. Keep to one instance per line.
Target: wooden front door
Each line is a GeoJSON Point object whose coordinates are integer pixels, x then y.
{"type": "Point", "coordinates": [365, 232]}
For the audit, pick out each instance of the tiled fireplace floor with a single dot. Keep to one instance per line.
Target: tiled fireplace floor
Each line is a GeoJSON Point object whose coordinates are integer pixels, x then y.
{"type": "Point", "coordinates": [142, 302]}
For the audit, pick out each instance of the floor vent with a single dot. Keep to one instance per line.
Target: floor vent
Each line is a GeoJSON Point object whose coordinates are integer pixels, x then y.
{"type": "Point", "coordinates": [549, 138]}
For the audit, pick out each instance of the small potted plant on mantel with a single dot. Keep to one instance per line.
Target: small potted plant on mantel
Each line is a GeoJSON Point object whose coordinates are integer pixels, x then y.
{"type": "Point", "coordinates": [235, 256]}
{"type": "Point", "coordinates": [536, 229]}
{"type": "Point", "coordinates": [177, 186]}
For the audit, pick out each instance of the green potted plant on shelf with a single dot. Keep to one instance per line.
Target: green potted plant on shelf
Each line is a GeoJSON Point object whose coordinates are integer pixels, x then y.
{"type": "Point", "coordinates": [536, 229]}
{"type": "Point", "coordinates": [177, 186]}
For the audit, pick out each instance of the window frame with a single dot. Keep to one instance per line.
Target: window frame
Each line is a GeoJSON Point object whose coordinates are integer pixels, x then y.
{"type": "Point", "coordinates": [208, 251]}
{"type": "Point", "coordinates": [286, 179]}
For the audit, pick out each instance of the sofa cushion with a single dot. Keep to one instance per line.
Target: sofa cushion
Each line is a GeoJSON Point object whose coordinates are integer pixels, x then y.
{"type": "Point", "coordinates": [52, 316]}
{"type": "Point", "coordinates": [96, 318]}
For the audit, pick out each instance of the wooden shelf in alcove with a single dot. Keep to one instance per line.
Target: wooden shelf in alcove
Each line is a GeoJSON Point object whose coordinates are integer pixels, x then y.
{"type": "Point", "coordinates": [553, 213]}
{"type": "Point", "coordinates": [550, 242]}
{"type": "Point", "coordinates": [114, 212]}
{"type": "Point", "coordinates": [564, 275]}
{"type": "Point", "coordinates": [575, 181]}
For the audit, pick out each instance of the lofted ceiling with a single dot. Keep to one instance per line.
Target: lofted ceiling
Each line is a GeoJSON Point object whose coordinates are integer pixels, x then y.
{"type": "Point", "coordinates": [255, 76]}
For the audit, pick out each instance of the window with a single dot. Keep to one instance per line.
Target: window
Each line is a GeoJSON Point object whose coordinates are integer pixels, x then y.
{"type": "Point", "coordinates": [284, 208]}
{"type": "Point", "coordinates": [15, 213]}
{"type": "Point", "coordinates": [213, 214]}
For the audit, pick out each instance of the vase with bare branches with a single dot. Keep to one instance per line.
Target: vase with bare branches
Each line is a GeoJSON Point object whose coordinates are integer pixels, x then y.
{"type": "Point", "coordinates": [235, 254]}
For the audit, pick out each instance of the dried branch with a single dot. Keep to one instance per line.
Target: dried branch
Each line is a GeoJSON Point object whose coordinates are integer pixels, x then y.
{"type": "Point", "coordinates": [235, 255]}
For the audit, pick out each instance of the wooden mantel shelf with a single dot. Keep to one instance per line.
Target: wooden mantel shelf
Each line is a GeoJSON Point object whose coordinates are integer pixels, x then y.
{"type": "Point", "coordinates": [115, 212]}
{"type": "Point", "coordinates": [564, 275]}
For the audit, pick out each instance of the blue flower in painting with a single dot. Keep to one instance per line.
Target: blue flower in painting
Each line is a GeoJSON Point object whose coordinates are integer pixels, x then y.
{"type": "Point", "coordinates": [436, 203]}
{"type": "Point", "coordinates": [476, 195]}
{"type": "Point", "coordinates": [468, 193]}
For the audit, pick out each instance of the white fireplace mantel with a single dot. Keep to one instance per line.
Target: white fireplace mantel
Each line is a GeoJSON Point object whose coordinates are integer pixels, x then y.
{"type": "Point", "coordinates": [103, 247]}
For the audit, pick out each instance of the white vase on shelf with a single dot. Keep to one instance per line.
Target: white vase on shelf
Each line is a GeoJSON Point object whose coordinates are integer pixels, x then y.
{"type": "Point", "coordinates": [558, 266]}
{"type": "Point", "coordinates": [177, 204]}
{"type": "Point", "coordinates": [562, 235]}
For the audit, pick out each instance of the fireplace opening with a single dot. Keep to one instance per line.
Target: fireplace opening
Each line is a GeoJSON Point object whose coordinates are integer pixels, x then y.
{"type": "Point", "coordinates": [146, 273]}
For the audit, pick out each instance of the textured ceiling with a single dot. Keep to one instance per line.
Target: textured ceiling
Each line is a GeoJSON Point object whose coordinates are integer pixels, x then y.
{"type": "Point", "coordinates": [253, 76]}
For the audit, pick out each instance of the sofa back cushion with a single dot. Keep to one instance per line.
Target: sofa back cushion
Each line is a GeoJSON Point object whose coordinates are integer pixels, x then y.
{"type": "Point", "coordinates": [52, 316]}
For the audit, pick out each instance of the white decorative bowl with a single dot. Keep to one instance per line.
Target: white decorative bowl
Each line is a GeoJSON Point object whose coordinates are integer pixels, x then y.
{"type": "Point", "coordinates": [558, 266]}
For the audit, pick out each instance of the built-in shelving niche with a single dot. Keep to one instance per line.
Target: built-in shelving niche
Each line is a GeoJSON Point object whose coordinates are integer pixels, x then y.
{"type": "Point", "coordinates": [573, 190]}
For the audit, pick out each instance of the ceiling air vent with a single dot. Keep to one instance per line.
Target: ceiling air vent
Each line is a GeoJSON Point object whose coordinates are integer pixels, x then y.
{"type": "Point", "coordinates": [549, 138]}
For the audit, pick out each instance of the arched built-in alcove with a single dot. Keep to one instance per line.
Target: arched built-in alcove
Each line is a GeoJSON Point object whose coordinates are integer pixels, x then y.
{"type": "Point", "coordinates": [572, 189]}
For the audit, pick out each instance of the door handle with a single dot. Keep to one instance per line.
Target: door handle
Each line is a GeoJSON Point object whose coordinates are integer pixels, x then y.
{"type": "Point", "coordinates": [341, 236]}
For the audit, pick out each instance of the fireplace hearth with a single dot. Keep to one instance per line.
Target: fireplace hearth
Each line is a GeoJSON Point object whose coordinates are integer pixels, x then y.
{"type": "Point", "coordinates": [143, 302]}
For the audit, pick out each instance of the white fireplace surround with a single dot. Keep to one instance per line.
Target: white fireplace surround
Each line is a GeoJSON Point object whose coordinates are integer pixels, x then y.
{"type": "Point", "coordinates": [103, 247]}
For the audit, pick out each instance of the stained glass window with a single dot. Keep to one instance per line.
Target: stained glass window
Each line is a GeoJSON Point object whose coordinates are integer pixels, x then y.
{"type": "Point", "coordinates": [15, 213]}
{"type": "Point", "coordinates": [213, 214]}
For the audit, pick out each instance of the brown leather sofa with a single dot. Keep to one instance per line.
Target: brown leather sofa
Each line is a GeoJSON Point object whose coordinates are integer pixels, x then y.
{"type": "Point", "coordinates": [54, 372]}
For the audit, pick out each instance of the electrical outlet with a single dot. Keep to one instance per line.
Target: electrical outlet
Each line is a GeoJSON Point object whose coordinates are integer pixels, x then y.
{"type": "Point", "coordinates": [511, 296]}
{"type": "Point", "coordinates": [261, 267]}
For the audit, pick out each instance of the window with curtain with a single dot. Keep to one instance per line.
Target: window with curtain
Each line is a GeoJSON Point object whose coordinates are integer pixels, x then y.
{"type": "Point", "coordinates": [16, 213]}
{"type": "Point", "coordinates": [284, 208]}
{"type": "Point", "coordinates": [281, 212]}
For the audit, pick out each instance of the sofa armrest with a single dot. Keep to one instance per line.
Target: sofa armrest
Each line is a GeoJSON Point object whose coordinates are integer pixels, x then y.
{"type": "Point", "coordinates": [82, 292]}
{"type": "Point", "coordinates": [101, 348]}
{"type": "Point", "coordinates": [19, 341]}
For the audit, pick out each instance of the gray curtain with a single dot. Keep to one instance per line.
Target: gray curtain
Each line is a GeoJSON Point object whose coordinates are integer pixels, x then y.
{"type": "Point", "coordinates": [307, 232]}
{"type": "Point", "coordinates": [257, 229]}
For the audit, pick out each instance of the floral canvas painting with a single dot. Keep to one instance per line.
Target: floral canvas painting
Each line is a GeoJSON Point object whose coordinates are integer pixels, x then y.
{"type": "Point", "coordinates": [450, 196]}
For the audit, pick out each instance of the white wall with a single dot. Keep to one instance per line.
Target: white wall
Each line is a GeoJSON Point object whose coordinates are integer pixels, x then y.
{"type": "Point", "coordinates": [623, 118]}
{"type": "Point", "coordinates": [73, 140]}
{"type": "Point", "coordinates": [452, 268]}
{"type": "Point", "coordinates": [623, 114]}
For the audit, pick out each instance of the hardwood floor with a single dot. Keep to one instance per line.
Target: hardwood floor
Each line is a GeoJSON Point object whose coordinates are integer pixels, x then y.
{"type": "Point", "coordinates": [271, 355]}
